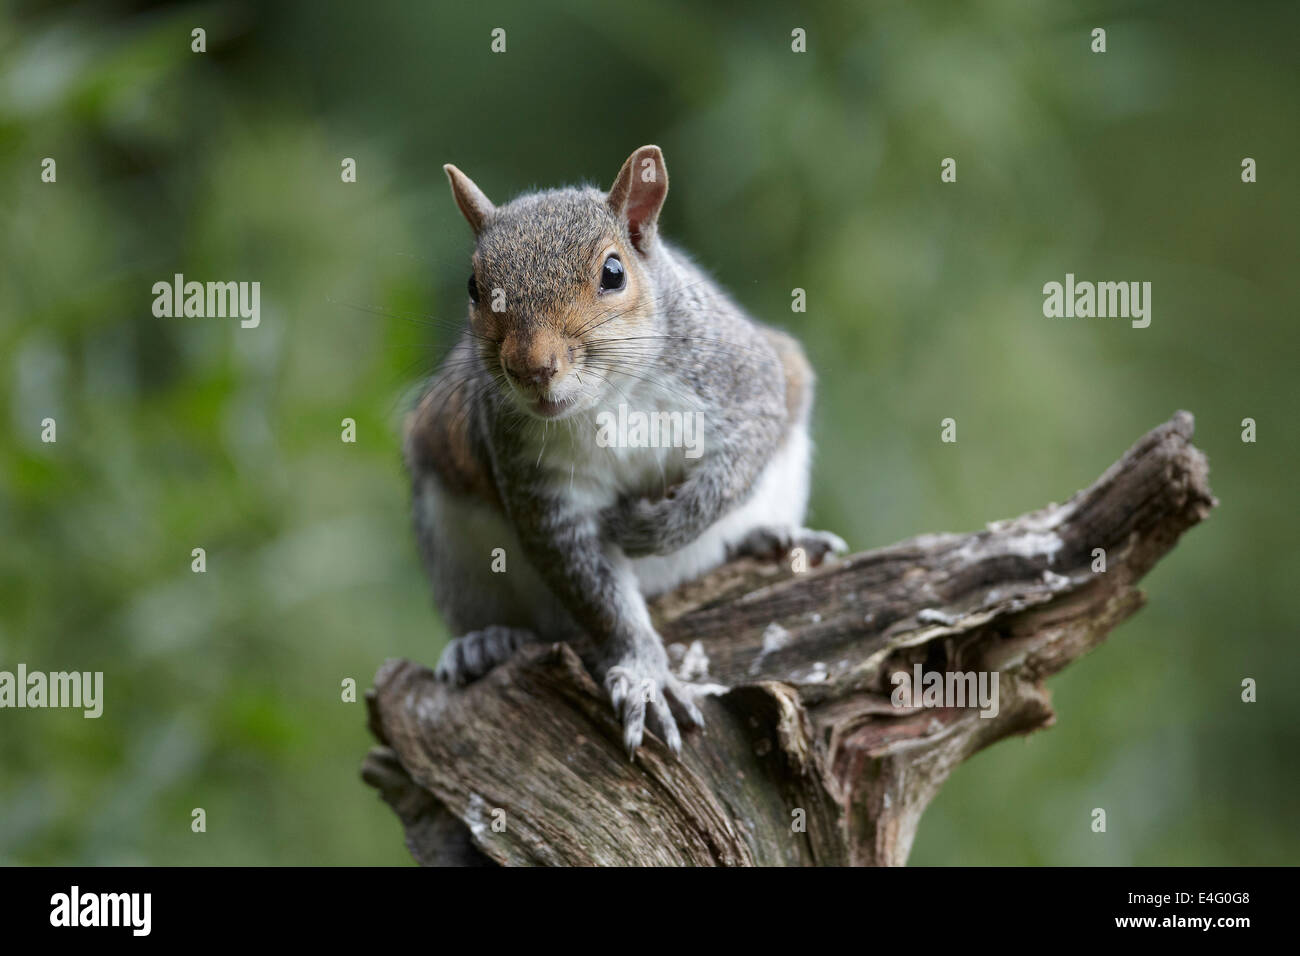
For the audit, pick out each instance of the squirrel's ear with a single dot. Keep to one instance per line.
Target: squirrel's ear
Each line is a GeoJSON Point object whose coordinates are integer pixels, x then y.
{"type": "Point", "coordinates": [638, 194]}
{"type": "Point", "coordinates": [475, 206]}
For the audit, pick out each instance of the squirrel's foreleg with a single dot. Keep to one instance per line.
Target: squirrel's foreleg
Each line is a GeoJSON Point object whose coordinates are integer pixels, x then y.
{"type": "Point", "coordinates": [595, 582]}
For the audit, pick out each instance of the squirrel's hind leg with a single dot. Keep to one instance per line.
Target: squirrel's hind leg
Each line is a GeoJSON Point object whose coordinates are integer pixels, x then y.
{"type": "Point", "coordinates": [469, 657]}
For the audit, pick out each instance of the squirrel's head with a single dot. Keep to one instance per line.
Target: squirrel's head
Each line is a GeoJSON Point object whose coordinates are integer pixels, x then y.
{"type": "Point", "coordinates": [562, 297]}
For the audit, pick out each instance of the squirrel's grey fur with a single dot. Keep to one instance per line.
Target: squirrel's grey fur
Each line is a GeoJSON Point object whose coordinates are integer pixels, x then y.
{"type": "Point", "coordinates": [503, 454]}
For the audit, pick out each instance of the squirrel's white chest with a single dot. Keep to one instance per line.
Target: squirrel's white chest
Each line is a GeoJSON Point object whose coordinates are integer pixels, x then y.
{"type": "Point", "coordinates": [600, 473]}
{"type": "Point", "coordinates": [778, 500]}
{"type": "Point", "coordinates": [617, 451]}
{"type": "Point", "coordinates": [462, 533]}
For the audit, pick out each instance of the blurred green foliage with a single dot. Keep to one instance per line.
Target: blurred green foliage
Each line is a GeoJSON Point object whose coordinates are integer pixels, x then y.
{"type": "Point", "coordinates": [818, 171]}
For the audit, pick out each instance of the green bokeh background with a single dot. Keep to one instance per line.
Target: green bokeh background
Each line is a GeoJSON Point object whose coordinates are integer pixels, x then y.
{"type": "Point", "coordinates": [818, 171]}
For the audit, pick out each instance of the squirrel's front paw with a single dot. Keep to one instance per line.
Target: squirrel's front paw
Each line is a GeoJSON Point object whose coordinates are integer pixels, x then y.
{"type": "Point", "coordinates": [639, 688]}
{"type": "Point", "coordinates": [637, 525]}
{"type": "Point", "coordinates": [774, 543]}
{"type": "Point", "coordinates": [468, 658]}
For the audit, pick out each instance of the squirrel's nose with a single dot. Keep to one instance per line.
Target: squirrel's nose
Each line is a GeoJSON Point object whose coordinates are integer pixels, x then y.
{"type": "Point", "coordinates": [538, 375]}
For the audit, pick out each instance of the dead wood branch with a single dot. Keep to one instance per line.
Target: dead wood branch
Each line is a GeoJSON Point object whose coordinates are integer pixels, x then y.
{"type": "Point", "coordinates": [801, 726]}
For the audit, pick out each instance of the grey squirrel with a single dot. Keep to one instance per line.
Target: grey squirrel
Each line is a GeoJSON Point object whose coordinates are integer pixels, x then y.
{"type": "Point", "coordinates": [577, 306]}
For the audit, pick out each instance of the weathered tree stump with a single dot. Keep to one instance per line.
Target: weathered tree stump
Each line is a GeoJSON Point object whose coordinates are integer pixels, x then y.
{"type": "Point", "coordinates": [799, 711]}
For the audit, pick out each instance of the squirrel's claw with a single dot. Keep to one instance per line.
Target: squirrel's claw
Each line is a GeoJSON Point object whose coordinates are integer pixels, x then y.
{"type": "Point", "coordinates": [665, 724]}
{"type": "Point", "coordinates": [628, 692]}
{"type": "Point", "coordinates": [682, 700]}
{"type": "Point", "coordinates": [636, 697]}
{"type": "Point", "coordinates": [774, 543]}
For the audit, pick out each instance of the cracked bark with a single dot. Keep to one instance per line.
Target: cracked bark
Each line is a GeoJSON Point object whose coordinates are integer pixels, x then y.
{"type": "Point", "coordinates": [801, 728]}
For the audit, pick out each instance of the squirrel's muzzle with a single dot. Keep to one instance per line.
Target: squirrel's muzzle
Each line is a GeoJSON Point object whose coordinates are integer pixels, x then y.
{"type": "Point", "coordinates": [534, 376]}
{"type": "Point", "coordinates": [536, 361]}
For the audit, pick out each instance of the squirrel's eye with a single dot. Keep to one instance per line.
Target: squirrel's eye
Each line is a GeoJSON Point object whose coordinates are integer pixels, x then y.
{"type": "Point", "coordinates": [473, 289]}
{"type": "Point", "coordinates": [612, 276]}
